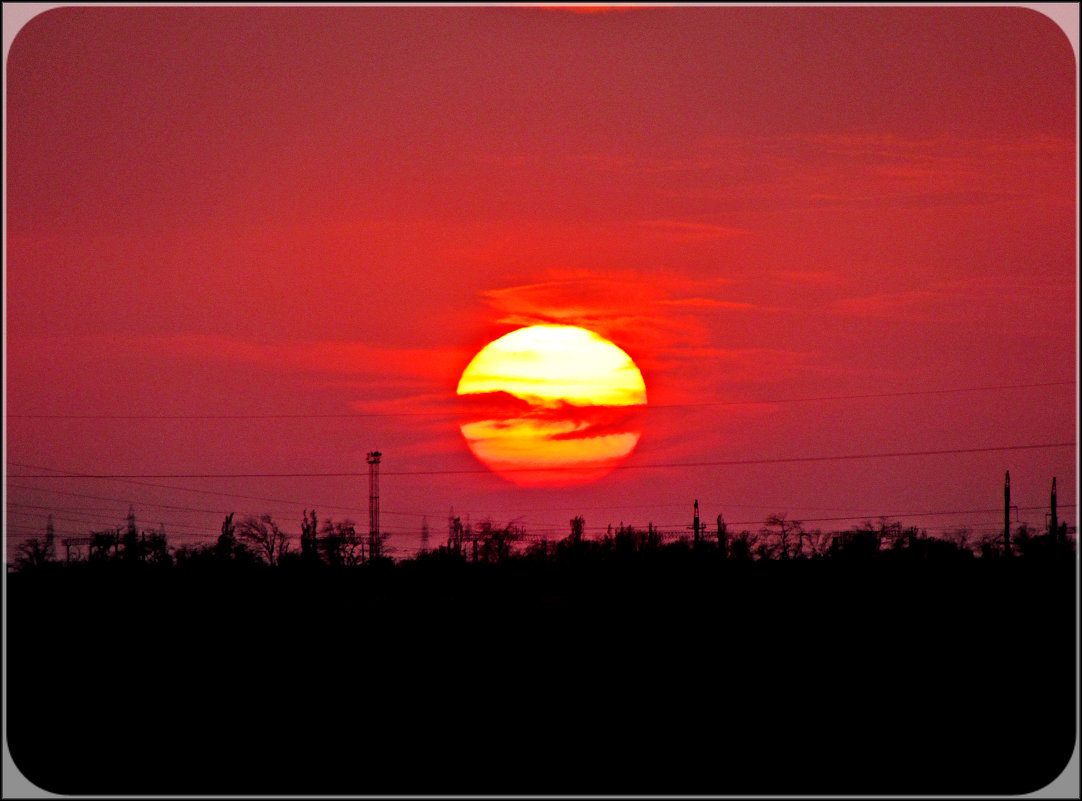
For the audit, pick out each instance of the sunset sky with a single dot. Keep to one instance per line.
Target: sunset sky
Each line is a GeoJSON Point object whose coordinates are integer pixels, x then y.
{"type": "Point", "coordinates": [247, 241]}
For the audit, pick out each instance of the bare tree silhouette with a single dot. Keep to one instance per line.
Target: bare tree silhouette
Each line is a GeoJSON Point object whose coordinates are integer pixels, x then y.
{"type": "Point", "coordinates": [340, 543]}
{"type": "Point", "coordinates": [101, 542]}
{"type": "Point", "coordinates": [38, 552]}
{"type": "Point", "coordinates": [155, 547]}
{"type": "Point", "coordinates": [496, 541]}
{"type": "Point", "coordinates": [961, 537]}
{"type": "Point", "coordinates": [265, 537]}
{"type": "Point", "coordinates": [132, 550]}
{"type": "Point", "coordinates": [778, 527]}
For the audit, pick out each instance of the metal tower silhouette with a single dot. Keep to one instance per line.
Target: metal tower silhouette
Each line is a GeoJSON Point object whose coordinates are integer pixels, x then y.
{"type": "Point", "coordinates": [1053, 522]}
{"type": "Point", "coordinates": [373, 500]}
{"type": "Point", "coordinates": [1007, 514]}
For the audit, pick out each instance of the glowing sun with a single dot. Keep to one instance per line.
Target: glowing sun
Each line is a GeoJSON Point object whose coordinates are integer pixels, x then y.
{"type": "Point", "coordinates": [552, 405]}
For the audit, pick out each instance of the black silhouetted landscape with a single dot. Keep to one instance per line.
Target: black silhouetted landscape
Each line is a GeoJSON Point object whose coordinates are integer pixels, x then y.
{"type": "Point", "coordinates": [880, 660]}
{"type": "Point", "coordinates": [538, 261]}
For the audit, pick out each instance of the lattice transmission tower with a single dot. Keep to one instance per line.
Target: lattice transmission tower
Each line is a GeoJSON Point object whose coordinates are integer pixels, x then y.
{"type": "Point", "coordinates": [373, 503]}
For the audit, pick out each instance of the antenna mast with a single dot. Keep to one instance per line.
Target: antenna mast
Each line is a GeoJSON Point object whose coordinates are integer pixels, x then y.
{"type": "Point", "coordinates": [373, 502]}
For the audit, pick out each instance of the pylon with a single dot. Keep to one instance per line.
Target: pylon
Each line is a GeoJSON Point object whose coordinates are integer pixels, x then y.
{"type": "Point", "coordinates": [373, 502]}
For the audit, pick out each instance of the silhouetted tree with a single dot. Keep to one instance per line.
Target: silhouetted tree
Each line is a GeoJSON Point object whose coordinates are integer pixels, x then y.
{"type": "Point", "coordinates": [540, 551]}
{"type": "Point", "coordinates": [38, 552]}
{"type": "Point", "coordinates": [353, 551]}
{"type": "Point", "coordinates": [101, 542]}
{"type": "Point", "coordinates": [189, 556]}
{"type": "Point", "coordinates": [227, 540]}
{"type": "Point", "coordinates": [72, 547]}
{"type": "Point", "coordinates": [131, 547]}
{"type": "Point", "coordinates": [859, 542]}
{"type": "Point", "coordinates": [1032, 544]}
{"type": "Point", "coordinates": [455, 533]}
{"type": "Point", "coordinates": [740, 547]}
{"type": "Point", "coordinates": [266, 539]}
{"type": "Point", "coordinates": [1028, 542]}
{"type": "Point", "coordinates": [578, 523]}
{"type": "Point", "coordinates": [156, 547]}
{"type": "Point", "coordinates": [309, 547]}
{"type": "Point", "coordinates": [340, 544]}
{"type": "Point", "coordinates": [471, 537]}
{"type": "Point", "coordinates": [990, 545]}
{"type": "Point", "coordinates": [496, 541]}
{"type": "Point", "coordinates": [880, 533]}
{"type": "Point", "coordinates": [902, 538]}
{"type": "Point", "coordinates": [961, 538]}
{"type": "Point", "coordinates": [944, 549]}
{"type": "Point", "coordinates": [812, 544]}
{"type": "Point", "coordinates": [781, 530]}
{"type": "Point", "coordinates": [376, 541]}
{"type": "Point", "coordinates": [628, 539]}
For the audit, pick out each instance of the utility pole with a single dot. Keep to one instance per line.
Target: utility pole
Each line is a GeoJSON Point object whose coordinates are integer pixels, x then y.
{"type": "Point", "coordinates": [695, 522]}
{"type": "Point", "coordinates": [1007, 514]}
{"type": "Point", "coordinates": [1053, 523]}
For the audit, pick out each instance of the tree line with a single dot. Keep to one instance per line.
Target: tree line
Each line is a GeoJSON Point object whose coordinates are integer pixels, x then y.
{"type": "Point", "coordinates": [261, 541]}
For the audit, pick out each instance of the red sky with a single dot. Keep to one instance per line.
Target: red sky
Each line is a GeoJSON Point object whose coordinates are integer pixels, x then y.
{"type": "Point", "coordinates": [327, 211]}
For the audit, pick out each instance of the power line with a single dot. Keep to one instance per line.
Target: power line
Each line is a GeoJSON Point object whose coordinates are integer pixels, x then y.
{"type": "Point", "coordinates": [88, 518]}
{"type": "Point", "coordinates": [729, 462]}
{"type": "Point", "coordinates": [540, 531]}
{"type": "Point", "coordinates": [39, 531]}
{"type": "Point", "coordinates": [348, 415]}
{"type": "Point", "coordinates": [118, 500]}
{"type": "Point", "coordinates": [901, 394]}
{"type": "Point", "coordinates": [302, 504]}
{"type": "Point", "coordinates": [58, 513]}
{"type": "Point", "coordinates": [998, 510]}
{"type": "Point", "coordinates": [577, 509]}
{"type": "Point", "coordinates": [669, 531]}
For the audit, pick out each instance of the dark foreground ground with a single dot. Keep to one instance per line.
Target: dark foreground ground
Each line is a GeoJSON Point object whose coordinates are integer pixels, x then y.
{"type": "Point", "coordinates": [767, 678]}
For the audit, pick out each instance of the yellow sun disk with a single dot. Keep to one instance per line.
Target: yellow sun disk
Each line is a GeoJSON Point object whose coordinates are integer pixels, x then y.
{"type": "Point", "coordinates": [556, 362]}
{"type": "Point", "coordinates": [545, 367]}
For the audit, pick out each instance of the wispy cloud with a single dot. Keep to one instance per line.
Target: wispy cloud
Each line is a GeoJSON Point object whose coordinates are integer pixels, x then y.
{"type": "Point", "coordinates": [753, 364]}
{"type": "Point", "coordinates": [867, 170]}
{"type": "Point", "coordinates": [614, 162]}
{"type": "Point", "coordinates": [648, 313]}
{"type": "Point", "coordinates": [819, 277]}
{"type": "Point", "coordinates": [668, 323]}
{"type": "Point", "coordinates": [887, 304]}
{"type": "Point", "coordinates": [707, 303]}
{"type": "Point", "coordinates": [333, 357]}
{"type": "Point", "coordinates": [686, 231]}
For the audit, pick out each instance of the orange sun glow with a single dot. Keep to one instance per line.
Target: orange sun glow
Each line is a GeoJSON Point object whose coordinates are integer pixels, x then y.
{"type": "Point", "coordinates": [552, 405]}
